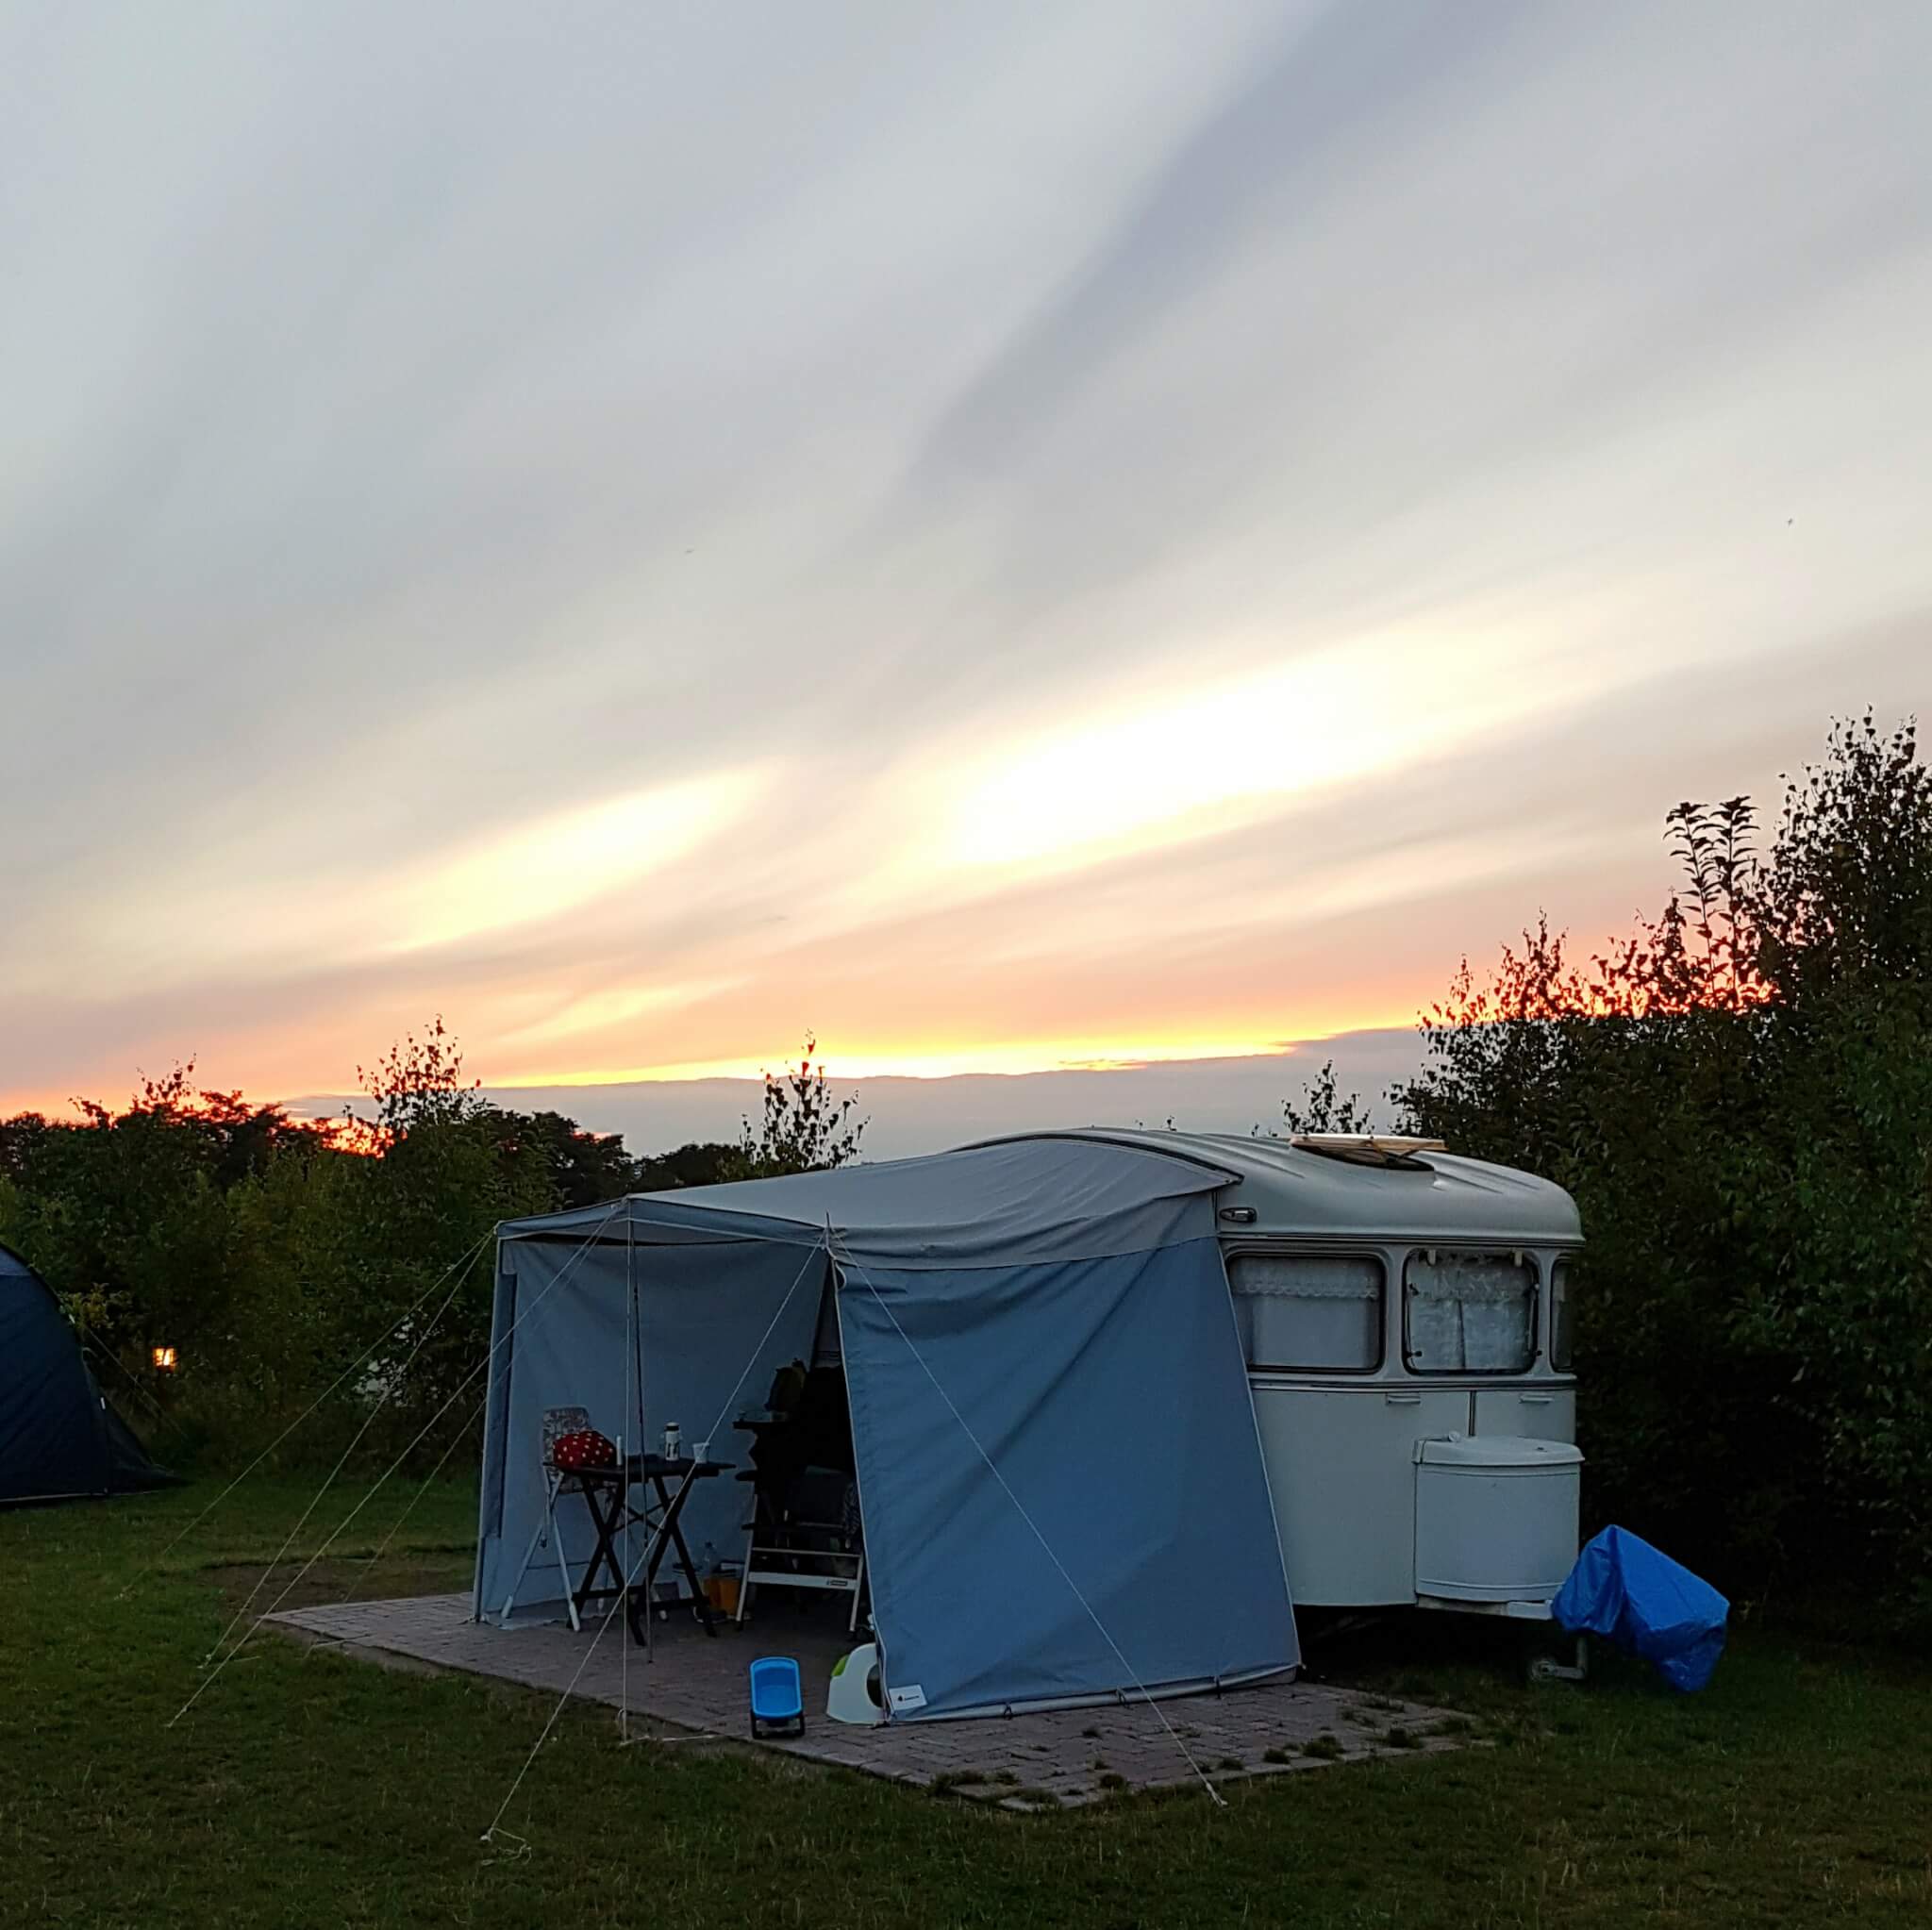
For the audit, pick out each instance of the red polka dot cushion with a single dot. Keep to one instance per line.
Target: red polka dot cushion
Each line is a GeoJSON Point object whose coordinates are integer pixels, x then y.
{"type": "Point", "coordinates": [584, 1447]}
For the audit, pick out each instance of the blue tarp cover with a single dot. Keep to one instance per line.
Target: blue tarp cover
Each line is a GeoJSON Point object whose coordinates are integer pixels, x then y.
{"type": "Point", "coordinates": [1648, 1604]}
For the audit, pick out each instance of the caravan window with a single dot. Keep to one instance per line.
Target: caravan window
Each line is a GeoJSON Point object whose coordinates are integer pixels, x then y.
{"type": "Point", "coordinates": [1308, 1310]}
{"type": "Point", "coordinates": [1468, 1312]}
{"type": "Point", "coordinates": [1559, 1316]}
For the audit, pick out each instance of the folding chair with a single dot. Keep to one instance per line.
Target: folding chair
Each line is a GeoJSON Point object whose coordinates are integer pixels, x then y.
{"type": "Point", "coordinates": [558, 1421]}
{"type": "Point", "coordinates": [809, 1538]}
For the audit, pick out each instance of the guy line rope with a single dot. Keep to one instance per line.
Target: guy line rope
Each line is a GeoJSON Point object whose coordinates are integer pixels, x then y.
{"type": "Point", "coordinates": [845, 1260]}
{"type": "Point", "coordinates": [341, 1461]}
{"type": "Point", "coordinates": [495, 1828]}
{"type": "Point", "coordinates": [355, 1367]}
{"type": "Point", "coordinates": [489, 1352]}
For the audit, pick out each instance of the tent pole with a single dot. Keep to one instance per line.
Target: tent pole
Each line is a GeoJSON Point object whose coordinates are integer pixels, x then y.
{"type": "Point", "coordinates": [833, 1274]}
{"type": "Point", "coordinates": [634, 1427]}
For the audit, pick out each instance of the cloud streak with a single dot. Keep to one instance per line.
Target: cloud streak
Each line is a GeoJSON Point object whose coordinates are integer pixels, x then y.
{"type": "Point", "coordinates": [1000, 539]}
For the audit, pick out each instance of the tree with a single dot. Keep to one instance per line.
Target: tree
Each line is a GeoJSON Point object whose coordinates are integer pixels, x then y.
{"type": "Point", "coordinates": [1739, 1094]}
{"type": "Point", "coordinates": [419, 1082]}
{"type": "Point", "coordinates": [1846, 900]}
{"type": "Point", "coordinates": [451, 1166]}
{"type": "Point", "coordinates": [129, 1214]}
{"type": "Point", "coordinates": [274, 1253]}
{"type": "Point", "coordinates": [1322, 1109]}
{"type": "Point", "coordinates": [582, 1169]}
{"type": "Point", "coordinates": [21, 1138]}
{"type": "Point", "coordinates": [704, 1162]}
{"type": "Point", "coordinates": [804, 1129]}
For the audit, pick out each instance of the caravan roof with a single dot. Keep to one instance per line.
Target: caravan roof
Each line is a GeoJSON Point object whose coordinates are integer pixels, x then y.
{"type": "Point", "coordinates": [1296, 1190]}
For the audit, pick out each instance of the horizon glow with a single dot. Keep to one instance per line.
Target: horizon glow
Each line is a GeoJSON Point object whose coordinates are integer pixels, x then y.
{"type": "Point", "coordinates": [1137, 538]}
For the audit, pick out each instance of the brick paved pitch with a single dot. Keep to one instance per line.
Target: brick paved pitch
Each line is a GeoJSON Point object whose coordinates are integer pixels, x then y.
{"type": "Point", "coordinates": [1031, 1760]}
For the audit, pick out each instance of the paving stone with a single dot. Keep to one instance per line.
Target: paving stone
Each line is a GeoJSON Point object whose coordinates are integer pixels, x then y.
{"type": "Point", "coordinates": [697, 1684]}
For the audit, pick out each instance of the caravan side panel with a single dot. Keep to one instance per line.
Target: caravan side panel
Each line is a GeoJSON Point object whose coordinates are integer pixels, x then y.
{"type": "Point", "coordinates": [1545, 1410]}
{"type": "Point", "coordinates": [1342, 1466]}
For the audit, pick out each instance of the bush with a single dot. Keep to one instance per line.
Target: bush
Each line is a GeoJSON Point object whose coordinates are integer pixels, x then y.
{"type": "Point", "coordinates": [275, 1255]}
{"type": "Point", "coordinates": [1739, 1097]}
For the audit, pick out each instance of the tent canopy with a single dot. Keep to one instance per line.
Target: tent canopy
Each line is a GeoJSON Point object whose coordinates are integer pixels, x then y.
{"type": "Point", "coordinates": [1060, 1484]}
{"type": "Point", "coordinates": [1009, 1204]}
{"type": "Point", "coordinates": [59, 1437]}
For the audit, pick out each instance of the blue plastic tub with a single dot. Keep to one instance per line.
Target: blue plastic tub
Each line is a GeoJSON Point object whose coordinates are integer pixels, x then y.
{"type": "Point", "coordinates": [777, 1697]}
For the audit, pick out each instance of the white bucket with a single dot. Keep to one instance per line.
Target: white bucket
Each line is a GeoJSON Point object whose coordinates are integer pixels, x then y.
{"type": "Point", "coordinates": [854, 1693]}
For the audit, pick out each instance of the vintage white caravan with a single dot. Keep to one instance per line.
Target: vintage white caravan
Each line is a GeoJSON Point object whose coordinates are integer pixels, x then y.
{"type": "Point", "coordinates": [1405, 1318]}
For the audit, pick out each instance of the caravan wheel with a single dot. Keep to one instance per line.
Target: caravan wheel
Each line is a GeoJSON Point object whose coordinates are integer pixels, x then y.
{"type": "Point", "coordinates": [1545, 1667]}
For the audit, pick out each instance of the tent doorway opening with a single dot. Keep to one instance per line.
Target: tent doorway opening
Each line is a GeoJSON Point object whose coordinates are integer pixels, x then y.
{"type": "Point", "coordinates": [804, 1531]}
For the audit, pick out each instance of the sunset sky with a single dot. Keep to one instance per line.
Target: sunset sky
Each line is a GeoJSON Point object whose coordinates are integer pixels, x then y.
{"type": "Point", "coordinates": [1013, 536]}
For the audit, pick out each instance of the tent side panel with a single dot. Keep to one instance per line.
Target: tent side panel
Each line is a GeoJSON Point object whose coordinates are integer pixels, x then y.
{"type": "Point", "coordinates": [1130, 1497]}
{"type": "Point", "coordinates": [130, 1467]}
{"type": "Point", "coordinates": [489, 1507]}
{"type": "Point", "coordinates": [564, 1347]}
{"type": "Point", "coordinates": [702, 1310]}
{"type": "Point", "coordinates": [51, 1437]}
{"type": "Point", "coordinates": [717, 1322]}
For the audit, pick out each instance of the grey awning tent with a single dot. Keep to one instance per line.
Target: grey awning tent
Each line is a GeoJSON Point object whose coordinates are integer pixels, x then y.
{"type": "Point", "coordinates": [1062, 1488]}
{"type": "Point", "coordinates": [60, 1439]}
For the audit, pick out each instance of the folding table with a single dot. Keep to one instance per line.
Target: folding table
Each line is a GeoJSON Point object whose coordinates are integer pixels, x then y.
{"type": "Point", "coordinates": [606, 1493]}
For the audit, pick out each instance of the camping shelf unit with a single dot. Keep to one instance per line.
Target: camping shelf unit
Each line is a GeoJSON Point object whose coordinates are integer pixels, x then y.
{"type": "Point", "coordinates": [1145, 1390]}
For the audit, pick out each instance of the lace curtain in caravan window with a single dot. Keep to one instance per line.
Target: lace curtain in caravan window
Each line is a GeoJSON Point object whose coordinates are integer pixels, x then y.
{"type": "Point", "coordinates": [1470, 1313]}
{"type": "Point", "coordinates": [1308, 1310]}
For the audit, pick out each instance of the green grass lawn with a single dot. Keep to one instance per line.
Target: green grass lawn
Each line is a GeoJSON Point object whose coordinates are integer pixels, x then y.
{"type": "Point", "coordinates": [305, 1787]}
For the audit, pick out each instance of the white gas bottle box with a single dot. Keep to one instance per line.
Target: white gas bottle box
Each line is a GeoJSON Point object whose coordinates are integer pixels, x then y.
{"type": "Point", "coordinates": [1495, 1517]}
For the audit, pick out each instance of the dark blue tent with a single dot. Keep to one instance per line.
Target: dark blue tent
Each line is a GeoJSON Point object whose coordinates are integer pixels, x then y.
{"type": "Point", "coordinates": [59, 1437]}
